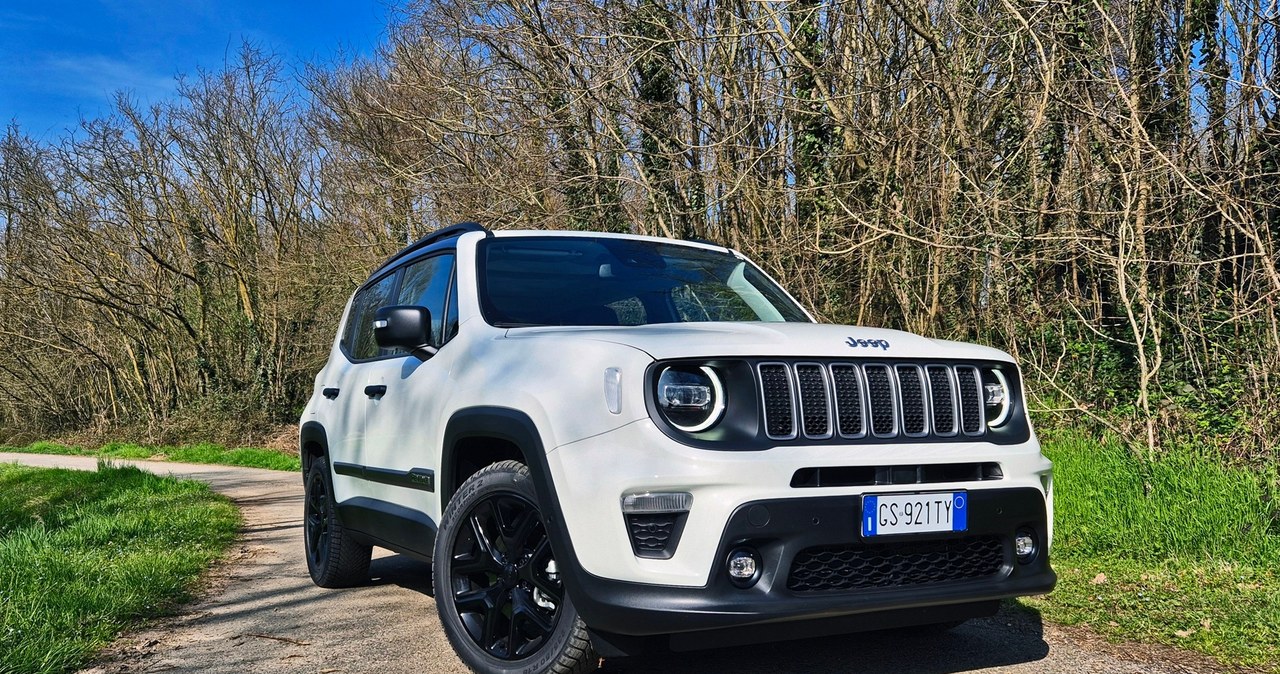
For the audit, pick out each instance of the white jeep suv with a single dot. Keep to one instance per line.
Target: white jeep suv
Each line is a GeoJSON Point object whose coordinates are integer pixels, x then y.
{"type": "Point", "coordinates": [606, 443]}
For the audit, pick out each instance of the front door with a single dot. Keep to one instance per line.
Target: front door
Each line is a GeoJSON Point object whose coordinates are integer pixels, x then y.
{"type": "Point", "coordinates": [403, 400]}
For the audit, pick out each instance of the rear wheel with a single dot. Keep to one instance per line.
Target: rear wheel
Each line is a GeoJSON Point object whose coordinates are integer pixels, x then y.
{"type": "Point", "coordinates": [334, 557]}
{"type": "Point", "coordinates": [498, 590]}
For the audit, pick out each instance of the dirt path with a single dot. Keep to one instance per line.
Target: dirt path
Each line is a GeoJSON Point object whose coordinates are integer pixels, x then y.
{"type": "Point", "coordinates": [262, 614]}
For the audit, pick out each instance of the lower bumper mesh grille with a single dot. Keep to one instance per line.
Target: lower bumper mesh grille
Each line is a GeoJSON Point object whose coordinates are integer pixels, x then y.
{"type": "Point", "coordinates": [853, 567]}
{"type": "Point", "coordinates": [654, 534]}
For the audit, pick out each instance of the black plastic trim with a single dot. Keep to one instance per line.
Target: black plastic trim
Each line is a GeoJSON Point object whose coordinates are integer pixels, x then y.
{"type": "Point", "coordinates": [414, 478]}
{"type": "Point", "coordinates": [311, 432]}
{"type": "Point", "coordinates": [868, 476]}
{"type": "Point", "coordinates": [668, 550]}
{"type": "Point", "coordinates": [808, 629]}
{"type": "Point", "coordinates": [784, 528]}
{"type": "Point", "coordinates": [617, 645]}
{"type": "Point", "coordinates": [389, 525]}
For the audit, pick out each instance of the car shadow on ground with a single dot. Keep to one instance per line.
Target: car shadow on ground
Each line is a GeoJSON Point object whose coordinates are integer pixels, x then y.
{"type": "Point", "coordinates": [403, 570]}
{"type": "Point", "coordinates": [1013, 636]}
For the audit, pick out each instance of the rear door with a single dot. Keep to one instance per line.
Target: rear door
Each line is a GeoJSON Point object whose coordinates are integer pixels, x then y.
{"type": "Point", "coordinates": [345, 396]}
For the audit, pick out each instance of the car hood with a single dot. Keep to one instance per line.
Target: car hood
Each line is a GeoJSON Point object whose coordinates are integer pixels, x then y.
{"type": "Point", "coordinates": [697, 340]}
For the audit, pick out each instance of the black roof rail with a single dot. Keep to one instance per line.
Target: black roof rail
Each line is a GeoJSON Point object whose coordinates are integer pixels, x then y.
{"type": "Point", "coordinates": [438, 235]}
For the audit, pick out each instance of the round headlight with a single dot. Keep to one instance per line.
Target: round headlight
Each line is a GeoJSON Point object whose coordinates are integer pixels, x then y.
{"type": "Point", "coordinates": [996, 396]}
{"type": "Point", "coordinates": [690, 398]}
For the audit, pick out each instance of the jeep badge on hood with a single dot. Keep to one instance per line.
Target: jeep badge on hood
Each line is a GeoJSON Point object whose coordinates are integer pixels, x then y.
{"type": "Point", "coordinates": [870, 343]}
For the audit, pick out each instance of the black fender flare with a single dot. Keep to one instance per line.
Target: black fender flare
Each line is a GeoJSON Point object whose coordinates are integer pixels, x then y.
{"type": "Point", "coordinates": [501, 423]}
{"type": "Point", "coordinates": [311, 432]}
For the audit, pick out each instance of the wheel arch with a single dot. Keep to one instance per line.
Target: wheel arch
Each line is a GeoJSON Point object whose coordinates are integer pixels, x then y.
{"type": "Point", "coordinates": [313, 443]}
{"type": "Point", "coordinates": [479, 436]}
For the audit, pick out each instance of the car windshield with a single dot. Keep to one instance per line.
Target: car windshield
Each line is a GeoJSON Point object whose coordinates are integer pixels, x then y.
{"type": "Point", "coordinates": [530, 281]}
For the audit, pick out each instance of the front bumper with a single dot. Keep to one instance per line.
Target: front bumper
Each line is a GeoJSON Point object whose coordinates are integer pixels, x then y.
{"type": "Point", "coordinates": [795, 524]}
{"type": "Point", "coordinates": [590, 478]}
{"type": "Point", "coordinates": [687, 601]}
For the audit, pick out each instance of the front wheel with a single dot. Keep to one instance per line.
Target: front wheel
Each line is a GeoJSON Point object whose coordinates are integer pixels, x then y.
{"type": "Point", "coordinates": [498, 591]}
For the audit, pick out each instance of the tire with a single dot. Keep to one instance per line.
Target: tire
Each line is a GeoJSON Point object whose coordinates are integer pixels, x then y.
{"type": "Point", "coordinates": [334, 557]}
{"type": "Point", "coordinates": [500, 599]}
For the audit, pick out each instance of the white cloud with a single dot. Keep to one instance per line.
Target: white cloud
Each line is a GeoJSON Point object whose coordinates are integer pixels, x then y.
{"type": "Point", "coordinates": [96, 76]}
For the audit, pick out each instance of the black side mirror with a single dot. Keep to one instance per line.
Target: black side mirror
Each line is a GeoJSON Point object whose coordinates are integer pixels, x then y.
{"type": "Point", "coordinates": [405, 327]}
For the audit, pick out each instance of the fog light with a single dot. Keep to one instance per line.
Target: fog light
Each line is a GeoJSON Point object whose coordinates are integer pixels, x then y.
{"type": "Point", "coordinates": [1024, 545]}
{"type": "Point", "coordinates": [744, 567]}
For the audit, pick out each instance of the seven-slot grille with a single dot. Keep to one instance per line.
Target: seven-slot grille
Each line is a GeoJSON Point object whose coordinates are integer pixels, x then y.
{"type": "Point", "coordinates": [879, 400]}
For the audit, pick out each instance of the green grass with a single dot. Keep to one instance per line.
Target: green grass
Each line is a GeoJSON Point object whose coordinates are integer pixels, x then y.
{"type": "Point", "coordinates": [249, 457]}
{"type": "Point", "coordinates": [84, 555]}
{"type": "Point", "coordinates": [1183, 550]}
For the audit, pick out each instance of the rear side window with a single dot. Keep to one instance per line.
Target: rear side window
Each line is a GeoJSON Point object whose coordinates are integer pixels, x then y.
{"type": "Point", "coordinates": [427, 284]}
{"type": "Point", "coordinates": [358, 337]}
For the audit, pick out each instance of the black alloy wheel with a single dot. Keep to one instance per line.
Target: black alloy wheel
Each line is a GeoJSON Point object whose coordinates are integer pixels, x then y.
{"type": "Point", "coordinates": [505, 586]}
{"type": "Point", "coordinates": [335, 556]}
{"type": "Point", "coordinates": [502, 601]}
{"type": "Point", "coordinates": [316, 521]}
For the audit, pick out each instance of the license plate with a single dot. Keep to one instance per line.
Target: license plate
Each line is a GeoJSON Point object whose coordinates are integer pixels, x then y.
{"type": "Point", "coordinates": [914, 513]}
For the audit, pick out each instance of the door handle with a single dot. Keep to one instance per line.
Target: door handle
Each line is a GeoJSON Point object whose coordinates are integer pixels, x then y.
{"type": "Point", "coordinates": [375, 391]}
{"type": "Point", "coordinates": [330, 392]}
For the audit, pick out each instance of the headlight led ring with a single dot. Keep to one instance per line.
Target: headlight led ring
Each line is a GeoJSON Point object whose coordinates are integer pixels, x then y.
{"type": "Point", "coordinates": [998, 394]}
{"type": "Point", "coordinates": [691, 400]}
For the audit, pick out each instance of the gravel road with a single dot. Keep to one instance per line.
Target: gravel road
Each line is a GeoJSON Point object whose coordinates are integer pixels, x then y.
{"type": "Point", "coordinates": [261, 613]}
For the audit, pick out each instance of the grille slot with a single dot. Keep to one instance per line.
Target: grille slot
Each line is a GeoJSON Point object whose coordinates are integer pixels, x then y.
{"type": "Point", "coordinates": [854, 567]}
{"type": "Point", "coordinates": [848, 394]}
{"type": "Point", "coordinates": [880, 392]}
{"type": "Point", "coordinates": [941, 399]}
{"type": "Point", "coordinates": [970, 384]}
{"type": "Point", "coordinates": [815, 415]}
{"type": "Point", "coordinates": [911, 394]}
{"type": "Point", "coordinates": [775, 386]}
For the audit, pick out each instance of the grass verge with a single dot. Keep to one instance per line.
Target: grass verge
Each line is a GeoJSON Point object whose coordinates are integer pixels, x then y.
{"type": "Point", "coordinates": [1183, 549]}
{"type": "Point", "coordinates": [84, 555]}
{"type": "Point", "coordinates": [249, 457]}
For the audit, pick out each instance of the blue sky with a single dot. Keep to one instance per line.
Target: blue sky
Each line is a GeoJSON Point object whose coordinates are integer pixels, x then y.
{"type": "Point", "coordinates": [61, 60]}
